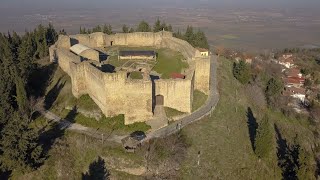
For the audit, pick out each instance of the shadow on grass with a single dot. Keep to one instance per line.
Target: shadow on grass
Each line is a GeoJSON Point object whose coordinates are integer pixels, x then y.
{"type": "Point", "coordinates": [48, 138]}
{"type": "Point", "coordinates": [40, 78]}
{"type": "Point", "coordinates": [252, 127]}
{"type": "Point", "coordinates": [53, 94]}
{"type": "Point", "coordinates": [288, 156]}
{"type": "Point", "coordinates": [97, 170]}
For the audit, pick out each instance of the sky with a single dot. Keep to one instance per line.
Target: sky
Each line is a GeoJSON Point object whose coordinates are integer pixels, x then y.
{"type": "Point", "coordinates": [147, 3]}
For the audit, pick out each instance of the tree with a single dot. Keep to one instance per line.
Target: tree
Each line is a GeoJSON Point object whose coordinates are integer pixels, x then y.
{"type": "Point", "coordinates": [189, 35]}
{"type": "Point", "coordinates": [97, 171]}
{"type": "Point", "coordinates": [274, 89]}
{"type": "Point", "coordinates": [157, 26]}
{"type": "Point", "coordinates": [200, 40]}
{"type": "Point", "coordinates": [26, 56]}
{"type": "Point", "coordinates": [83, 30]}
{"type": "Point", "coordinates": [242, 72]}
{"type": "Point", "coordinates": [264, 138]}
{"type": "Point", "coordinates": [131, 30]}
{"type": "Point", "coordinates": [169, 28]}
{"type": "Point", "coordinates": [6, 80]}
{"type": "Point", "coordinates": [98, 28]}
{"type": "Point", "coordinates": [125, 29]}
{"type": "Point", "coordinates": [143, 27]}
{"type": "Point", "coordinates": [19, 146]}
{"type": "Point", "coordinates": [107, 29]}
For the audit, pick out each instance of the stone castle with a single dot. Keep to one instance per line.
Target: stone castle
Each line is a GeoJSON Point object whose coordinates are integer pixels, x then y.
{"type": "Point", "coordinates": [114, 92]}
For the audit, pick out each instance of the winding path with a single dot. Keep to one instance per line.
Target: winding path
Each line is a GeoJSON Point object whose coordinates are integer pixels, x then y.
{"type": "Point", "coordinates": [205, 110]}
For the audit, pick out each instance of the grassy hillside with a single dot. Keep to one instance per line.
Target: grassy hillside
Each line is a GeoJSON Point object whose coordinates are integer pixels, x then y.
{"type": "Point", "coordinates": [223, 140]}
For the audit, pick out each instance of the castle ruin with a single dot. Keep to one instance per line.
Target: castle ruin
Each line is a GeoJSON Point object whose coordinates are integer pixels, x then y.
{"type": "Point", "coordinates": [114, 92]}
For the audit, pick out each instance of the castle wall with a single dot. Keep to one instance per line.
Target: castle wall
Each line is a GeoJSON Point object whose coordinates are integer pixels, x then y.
{"type": "Point", "coordinates": [202, 74]}
{"type": "Point", "coordinates": [64, 58]}
{"type": "Point", "coordinates": [177, 93]}
{"type": "Point", "coordinates": [114, 93]}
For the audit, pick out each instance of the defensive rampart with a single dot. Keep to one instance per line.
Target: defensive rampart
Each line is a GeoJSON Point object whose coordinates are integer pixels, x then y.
{"type": "Point", "coordinates": [115, 93]}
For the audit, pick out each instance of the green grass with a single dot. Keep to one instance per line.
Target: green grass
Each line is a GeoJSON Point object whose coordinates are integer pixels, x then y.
{"type": "Point", "coordinates": [172, 112]}
{"type": "Point", "coordinates": [107, 124]}
{"type": "Point", "coordinates": [199, 99]}
{"type": "Point", "coordinates": [136, 75]}
{"type": "Point", "coordinates": [223, 139]}
{"type": "Point", "coordinates": [168, 62]}
{"type": "Point", "coordinates": [71, 156]}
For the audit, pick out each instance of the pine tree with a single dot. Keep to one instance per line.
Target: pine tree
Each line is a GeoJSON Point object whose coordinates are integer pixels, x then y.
{"type": "Point", "coordinates": [51, 35]}
{"type": "Point", "coordinates": [6, 80]}
{"type": "Point", "coordinates": [21, 95]}
{"type": "Point", "coordinates": [170, 29]}
{"type": "Point", "coordinates": [242, 72]}
{"type": "Point", "coordinates": [19, 147]}
{"type": "Point", "coordinates": [25, 56]}
{"type": "Point", "coordinates": [131, 30]}
{"type": "Point", "coordinates": [107, 29]}
{"type": "Point", "coordinates": [189, 35]}
{"type": "Point", "coordinates": [98, 28]}
{"type": "Point", "coordinates": [157, 26]}
{"type": "Point", "coordinates": [143, 27]}
{"type": "Point", "coordinates": [200, 40]}
{"type": "Point", "coordinates": [125, 29]}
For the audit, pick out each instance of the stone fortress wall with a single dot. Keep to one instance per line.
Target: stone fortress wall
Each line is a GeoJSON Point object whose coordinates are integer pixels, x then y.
{"type": "Point", "coordinates": [114, 93]}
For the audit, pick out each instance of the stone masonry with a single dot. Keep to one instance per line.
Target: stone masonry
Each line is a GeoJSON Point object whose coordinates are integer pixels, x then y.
{"type": "Point", "coordinates": [115, 93]}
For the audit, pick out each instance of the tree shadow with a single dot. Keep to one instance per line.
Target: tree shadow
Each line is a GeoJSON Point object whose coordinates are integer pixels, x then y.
{"type": "Point", "coordinates": [97, 171]}
{"type": "Point", "coordinates": [40, 78]}
{"type": "Point", "coordinates": [49, 137]}
{"type": "Point", "coordinates": [252, 127]}
{"type": "Point", "coordinates": [53, 94]}
{"type": "Point", "coordinates": [5, 174]}
{"type": "Point", "coordinates": [288, 156]}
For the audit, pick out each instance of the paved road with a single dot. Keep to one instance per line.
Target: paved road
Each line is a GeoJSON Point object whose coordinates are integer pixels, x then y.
{"type": "Point", "coordinates": [205, 110]}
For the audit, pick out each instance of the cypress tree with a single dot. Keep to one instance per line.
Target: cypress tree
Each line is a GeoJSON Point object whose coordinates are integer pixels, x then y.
{"type": "Point", "coordinates": [263, 141]}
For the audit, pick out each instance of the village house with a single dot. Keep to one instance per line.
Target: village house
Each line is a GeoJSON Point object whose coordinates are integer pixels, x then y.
{"type": "Point", "coordinates": [294, 82]}
{"type": "Point", "coordinates": [297, 93]}
{"type": "Point", "coordinates": [293, 72]}
{"type": "Point", "coordinates": [204, 52]}
{"type": "Point", "coordinates": [287, 61]}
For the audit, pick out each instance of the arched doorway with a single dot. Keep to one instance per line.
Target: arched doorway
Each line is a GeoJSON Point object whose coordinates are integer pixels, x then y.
{"type": "Point", "coordinates": [159, 100]}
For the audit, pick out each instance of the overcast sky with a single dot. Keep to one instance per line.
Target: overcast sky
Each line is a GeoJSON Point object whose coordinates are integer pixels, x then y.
{"type": "Point", "coordinates": [165, 3]}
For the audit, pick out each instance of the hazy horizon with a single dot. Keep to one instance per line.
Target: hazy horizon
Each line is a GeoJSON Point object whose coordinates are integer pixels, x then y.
{"type": "Point", "coordinates": [164, 3]}
{"type": "Point", "coordinates": [237, 23]}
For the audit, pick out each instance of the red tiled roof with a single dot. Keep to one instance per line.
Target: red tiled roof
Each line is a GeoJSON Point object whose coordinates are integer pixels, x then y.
{"type": "Point", "coordinates": [294, 80]}
{"type": "Point", "coordinates": [294, 72]}
{"type": "Point", "coordinates": [177, 76]}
